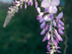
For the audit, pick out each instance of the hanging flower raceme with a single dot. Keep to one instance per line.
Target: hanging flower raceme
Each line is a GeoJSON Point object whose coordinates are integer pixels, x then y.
{"type": "Point", "coordinates": [14, 9]}
{"type": "Point", "coordinates": [51, 24]}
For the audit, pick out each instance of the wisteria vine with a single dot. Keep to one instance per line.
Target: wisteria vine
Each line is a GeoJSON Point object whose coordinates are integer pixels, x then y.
{"type": "Point", "coordinates": [51, 23]}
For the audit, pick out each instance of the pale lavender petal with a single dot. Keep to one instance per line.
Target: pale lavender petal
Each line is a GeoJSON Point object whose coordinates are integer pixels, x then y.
{"type": "Point", "coordinates": [43, 31]}
{"type": "Point", "coordinates": [60, 31]}
{"type": "Point", "coordinates": [41, 20]}
{"type": "Point", "coordinates": [45, 3]}
{"type": "Point", "coordinates": [54, 42]}
{"type": "Point", "coordinates": [42, 25]}
{"type": "Point", "coordinates": [57, 40]}
{"type": "Point", "coordinates": [39, 10]}
{"type": "Point", "coordinates": [46, 10]}
{"type": "Point", "coordinates": [46, 18]}
{"type": "Point", "coordinates": [44, 39]}
{"type": "Point", "coordinates": [48, 36]}
{"type": "Point", "coordinates": [53, 9]}
{"type": "Point", "coordinates": [25, 6]}
{"type": "Point", "coordinates": [36, 4]}
{"type": "Point", "coordinates": [55, 2]}
{"type": "Point", "coordinates": [60, 22]}
{"type": "Point", "coordinates": [46, 27]}
{"type": "Point", "coordinates": [60, 15]}
{"type": "Point", "coordinates": [51, 15]}
{"type": "Point", "coordinates": [57, 35]}
{"type": "Point", "coordinates": [54, 23]}
{"type": "Point", "coordinates": [60, 27]}
{"type": "Point", "coordinates": [48, 46]}
{"type": "Point", "coordinates": [40, 16]}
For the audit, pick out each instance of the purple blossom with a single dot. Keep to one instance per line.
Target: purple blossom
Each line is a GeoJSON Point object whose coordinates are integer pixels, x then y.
{"type": "Point", "coordinates": [60, 15]}
{"type": "Point", "coordinates": [53, 9]}
{"type": "Point", "coordinates": [48, 36]}
{"type": "Point", "coordinates": [45, 3]}
{"type": "Point", "coordinates": [54, 23]}
{"type": "Point", "coordinates": [57, 35]}
{"type": "Point", "coordinates": [60, 31]}
{"type": "Point", "coordinates": [51, 24]}
{"type": "Point", "coordinates": [55, 2]}
{"type": "Point", "coordinates": [43, 31]}
{"type": "Point", "coordinates": [46, 27]}
{"type": "Point", "coordinates": [43, 25]}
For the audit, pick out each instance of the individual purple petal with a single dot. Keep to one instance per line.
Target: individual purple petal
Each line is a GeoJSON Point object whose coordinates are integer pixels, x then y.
{"type": "Point", "coordinates": [60, 27]}
{"type": "Point", "coordinates": [41, 20]}
{"type": "Point", "coordinates": [36, 4]}
{"type": "Point", "coordinates": [53, 9]}
{"type": "Point", "coordinates": [42, 25]}
{"type": "Point", "coordinates": [55, 2]}
{"type": "Point", "coordinates": [60, 31]}
{"type": "Point", "coordinates": [60, 15]}
{"type": "Point", "coordinates": [54, 42]}
{"type": "Point", "coordinates": [44, 39]}
{"type": "Point", "coordinates": [20, 1]}
{"type": "Point", "coordinates": [20, 6]}
{"type": "Point", "coordinates": [57, 40]}
{"type": "Point", "coordinates": [25, 6]}
{"type": "Point", "coordinates": [40, 16]}
{"type": "Point", "coordinates": [51, 15]}
{"type": "Point", "coordinates": [46, 18]}
{"type": "Point", "coordinates": [60, 22]}
{"type": "Point", "coordinates": [59, 51]}
{"type": "Point", "coordinates": [57, 35]}
{"type": "Point", "coordinates": [45, 3]}
{"type": "Point", "coordinates": [43, 31]}
{"type": "Point", "coordinates": [46, 9]}
{"type": "Point", "coordinates": [48, 36]}
{"type": "Point", "coordinates": [39, 10]}
{"type": "Point", "coordinates": [48, 46]}
{"type": "Point", "coordinates": [46, 27]}
{"type": "Point", "coordinates": [54, 23]}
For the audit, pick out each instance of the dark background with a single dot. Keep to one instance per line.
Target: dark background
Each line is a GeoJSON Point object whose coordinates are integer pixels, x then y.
{"type": "Point", "coordinates": [22, 34]}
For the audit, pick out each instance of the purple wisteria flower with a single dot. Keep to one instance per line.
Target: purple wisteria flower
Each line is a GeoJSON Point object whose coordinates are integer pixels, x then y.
{"type": "Point", "coordinates": [15, 8]}
{"type": "Point", "coordinates": [51, 24]}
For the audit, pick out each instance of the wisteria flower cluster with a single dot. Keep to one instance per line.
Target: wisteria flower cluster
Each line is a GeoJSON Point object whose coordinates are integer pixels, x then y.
{"type": "Point", "coordinates": [51, 23]}
{"type": "Point", "coordinates": [14, 9]}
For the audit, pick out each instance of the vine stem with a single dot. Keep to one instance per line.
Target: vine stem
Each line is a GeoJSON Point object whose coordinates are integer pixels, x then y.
{"type": "Point", "coordinates": [65, 40]}
{"type": "Point", "coordinates": [52, 31]}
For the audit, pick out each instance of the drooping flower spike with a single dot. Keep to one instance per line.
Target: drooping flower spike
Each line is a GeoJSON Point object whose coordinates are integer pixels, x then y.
{"type": "Point", "coordinates": [51, 24]}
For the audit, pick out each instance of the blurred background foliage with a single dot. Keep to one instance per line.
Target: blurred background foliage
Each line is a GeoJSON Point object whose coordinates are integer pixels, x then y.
{"type": "Point", "coordinates": [22, 34]}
